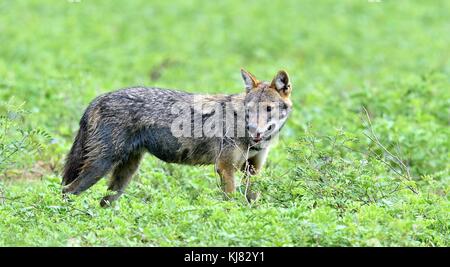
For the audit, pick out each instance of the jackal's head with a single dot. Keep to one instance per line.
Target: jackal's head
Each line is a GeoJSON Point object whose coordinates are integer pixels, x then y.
{"type": "Point", "coordinates": [267, 105]}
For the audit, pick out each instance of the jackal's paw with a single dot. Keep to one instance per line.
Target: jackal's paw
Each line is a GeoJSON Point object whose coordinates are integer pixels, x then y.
{"type": "Point", "coordinates": [106, 202]}
{"type": "Point", "coordinates": [252, 196]}
{"type": "Point", "coordinates": [252, 170]}
{"type": "Point", "coordinates": [229, 195]}
{"type": "Point", "coordinates": [66, 198]}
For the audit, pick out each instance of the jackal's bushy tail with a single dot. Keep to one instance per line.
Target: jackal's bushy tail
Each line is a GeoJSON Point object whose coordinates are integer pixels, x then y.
{"type": "Point", "coordinates": [75, 158]}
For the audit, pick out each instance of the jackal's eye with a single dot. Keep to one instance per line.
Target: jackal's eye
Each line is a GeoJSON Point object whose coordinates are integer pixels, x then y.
{"type": "Point", "coordinates": [269, 108]}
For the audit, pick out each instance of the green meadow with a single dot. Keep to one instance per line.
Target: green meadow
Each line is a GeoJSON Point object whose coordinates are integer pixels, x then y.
{"type": "Point", "coordinates": [362, 161]}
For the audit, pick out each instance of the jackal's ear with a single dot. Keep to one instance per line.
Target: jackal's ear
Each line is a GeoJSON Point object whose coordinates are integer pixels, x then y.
{"type": "Point", "coordinates": [249, 80]}
{"type": "Point", "coordinates": [281, 83]}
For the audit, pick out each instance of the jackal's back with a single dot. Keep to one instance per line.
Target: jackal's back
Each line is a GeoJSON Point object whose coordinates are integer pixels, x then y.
{"type": "Point", "coordinates": [141, 118]}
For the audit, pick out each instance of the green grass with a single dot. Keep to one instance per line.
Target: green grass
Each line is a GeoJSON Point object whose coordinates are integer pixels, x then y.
{"type": "Point", "coordinates": [391, 57]}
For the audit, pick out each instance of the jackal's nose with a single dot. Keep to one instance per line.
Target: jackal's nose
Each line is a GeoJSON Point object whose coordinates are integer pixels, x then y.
{"type": "Point", "coordinates": [254, 132]}
{"type": "Point", "coordinates": [252, 128]}
{"type": "Point", "coordinates": [257, 137]}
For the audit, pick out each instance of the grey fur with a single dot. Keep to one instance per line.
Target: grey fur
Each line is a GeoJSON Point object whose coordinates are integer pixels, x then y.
{"type": "Point", "coordinates": [118, 127]}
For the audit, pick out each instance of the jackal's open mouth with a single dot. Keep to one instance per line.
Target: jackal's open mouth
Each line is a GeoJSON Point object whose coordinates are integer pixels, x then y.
{"type": "Point", "coordinates": [257, 139]}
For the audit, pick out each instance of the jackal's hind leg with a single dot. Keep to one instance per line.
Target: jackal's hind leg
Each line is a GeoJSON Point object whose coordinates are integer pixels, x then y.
{"type": "Point", "coordinates": [120, 178]}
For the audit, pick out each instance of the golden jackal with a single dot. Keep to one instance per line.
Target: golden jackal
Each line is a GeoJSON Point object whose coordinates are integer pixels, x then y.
{"type": "Point", "coordinates": [231, 131]}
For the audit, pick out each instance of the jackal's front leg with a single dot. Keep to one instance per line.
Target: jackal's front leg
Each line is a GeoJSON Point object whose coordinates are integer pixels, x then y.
{"type": "Point", "coordinates": [226, 172]}
{"type": "Point", "coordinates": [252, 167]}
{"type": "Point", "coordinates": [249, 170]}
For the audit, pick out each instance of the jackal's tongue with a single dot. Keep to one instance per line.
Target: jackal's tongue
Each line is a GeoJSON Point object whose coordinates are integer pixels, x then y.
{"type": "Point", "coordinates": [257, 138]}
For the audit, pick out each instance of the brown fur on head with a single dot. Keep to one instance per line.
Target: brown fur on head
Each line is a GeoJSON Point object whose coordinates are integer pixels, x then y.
{"type": "Point", "coordinates": [267, 104]}
{"type": "Point", "coordinates": [280, 83]}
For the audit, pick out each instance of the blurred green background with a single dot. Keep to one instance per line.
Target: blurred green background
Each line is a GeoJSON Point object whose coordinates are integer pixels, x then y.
{"type": "Point", "coordinates": [390, 56]}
